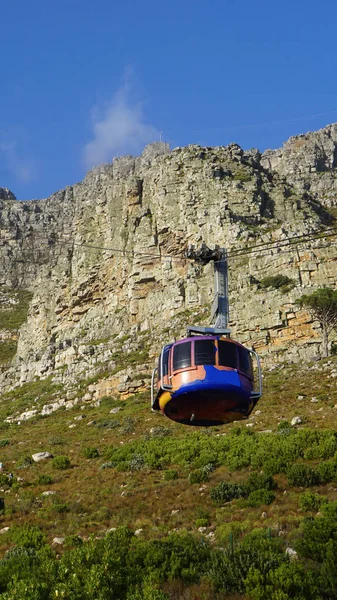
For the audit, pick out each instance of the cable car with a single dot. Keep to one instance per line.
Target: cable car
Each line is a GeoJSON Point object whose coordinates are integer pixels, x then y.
{"type": "Point", "coordinates": [207, 378]}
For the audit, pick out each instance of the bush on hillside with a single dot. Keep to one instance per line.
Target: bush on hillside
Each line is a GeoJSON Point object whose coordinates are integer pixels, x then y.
{"type": "Point", "coordinates": [225, 492]}
{"type": "Point", "coordinates": [302, 475]}
{"type": "Point", "coordinates": [278, 282]}
{"type": "Point", "coordinates": [311, 502]}
{"type": "Point", "coordinates": [259, 497]}
{"type": "Point", "coordinates": [257, 481]}
{"type": "Point", "coordinates": [44, 480]}
{"type": "Point", "coordinates": [170, 474]}
{"type": "Point", "coordinates": [90, 452]}
{"type": "Point", "coordinates": [327, 471]}
{"type": "Point", "coordinates": [61, 462]}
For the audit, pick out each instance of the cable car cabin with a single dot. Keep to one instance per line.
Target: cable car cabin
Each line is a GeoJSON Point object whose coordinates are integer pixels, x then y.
{"type": "Point", "coordinates": [205, 380]}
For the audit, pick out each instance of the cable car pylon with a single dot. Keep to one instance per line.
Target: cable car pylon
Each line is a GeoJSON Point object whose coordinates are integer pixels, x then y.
{"type": "Point", "coordinates": [207, 378]}
{"type": "Point", "coordinates": [220, 306]}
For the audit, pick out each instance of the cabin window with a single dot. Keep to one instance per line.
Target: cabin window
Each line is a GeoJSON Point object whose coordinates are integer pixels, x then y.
{"type": "Point", "coordinates": [227, 354]}
{"type": "Point", "coordinates": [181, 356]}
{"type": "Point", "coordinates": [245, 361]}
{"type": "Point", "coordinates": [165, 353]}
{"type": "Point", "coordinates": [204, 352]}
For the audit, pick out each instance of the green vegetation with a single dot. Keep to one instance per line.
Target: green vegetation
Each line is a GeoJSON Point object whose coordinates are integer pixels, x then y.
{"type": "Point", "coordinates": [44, 480]}
{"type": "Point", "coordinates": [90, 452]}
{"type": "Point", "coordinates": [41, 390]}
{"type": "Point", "coordinates": [123, 566]}
{"type": "Point", "coordinates": [311, 502]}
{"type": "Point", "coordinates": [278, 282]}
{"type": "Point", "coordinates": [136, 470]}
{"type": "Point", "coordinates": [322, 304]}
{"type": "Point", "coordinates": [13, 318]}
{"type": "Point", "coordinates": [61, 462]}
{"type": "Point", "coordinates": [7, 351]}
{"type": "Point", "coordinates": [242, 175]}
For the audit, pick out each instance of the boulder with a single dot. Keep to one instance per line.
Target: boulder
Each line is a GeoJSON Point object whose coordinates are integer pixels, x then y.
{"type": "Point", "coordinates": [38, 456]}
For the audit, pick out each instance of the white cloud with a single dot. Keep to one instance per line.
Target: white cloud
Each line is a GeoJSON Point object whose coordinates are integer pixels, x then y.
{"type": "Point", "coordinates": [119, 129]}
{"type": "Point", "coordinates": [22, 168]}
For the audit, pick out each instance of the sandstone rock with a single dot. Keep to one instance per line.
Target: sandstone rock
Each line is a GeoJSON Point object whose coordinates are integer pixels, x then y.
{"type": "Point", "coordinates": [291, 553]}
{"type": "Point", "coordinates": [296, 421]}
{"type": "Point", "coordinates": [58, 541]}
{"type": "Point", "coordinates": [4, 529]}
{"type": "Point", "coordinates": [38, 456]}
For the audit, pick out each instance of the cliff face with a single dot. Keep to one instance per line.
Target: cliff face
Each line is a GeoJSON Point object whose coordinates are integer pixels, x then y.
{"type": "Point", "coordinates": [309, 162]}
{"type": "Point", "coordinates": [89, 257]}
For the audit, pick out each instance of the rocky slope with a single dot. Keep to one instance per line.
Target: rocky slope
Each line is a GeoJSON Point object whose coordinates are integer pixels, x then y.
{"type": "Point", "coordinates": [103, 260]}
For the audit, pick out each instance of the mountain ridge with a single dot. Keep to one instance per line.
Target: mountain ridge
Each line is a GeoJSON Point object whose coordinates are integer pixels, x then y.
{"type": "Point", "coordinates": [79, 252]}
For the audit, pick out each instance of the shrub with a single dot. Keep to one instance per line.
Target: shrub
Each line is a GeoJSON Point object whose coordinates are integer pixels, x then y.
{"type": "Point", "coordinates": [4, 480]}
{"type": "Point", "coordinates": [329, 509]}
{"type": "Point", "coordinates": [108, 424]}
{"type": "Point", "coordinates": [159, 432]}
{"type": "Point", "coordinates": [280, 582]}
{"type": "Point", "coordinates": [225, 492]}
{"type": "Point", "coordinates": [73, 541]}
{"type": "Point", "coordinates": [55, 440]}
{"type": "Point", "coordinates": [284, 427]}
{"type": "Point", "coordinates": [59, 507]}
{"type": "Point", "coordinates": [315, 534]}
{"type": "Point", "coordinates": [278, 282]}
{"type": "Point", "coordinates": [198, 476]}
{"type": "Point", "coordinates": [302, 476]}
{"type": "Point", "coordinates": [309, 501]}
{"type": "Point", "coordinates": [242, 175]}
{"type": "Point", "coordinates": [229, 569]}
{"type": "Point", "coordinates": [128, 425]}
{"type": "Point", "coordinates": [90, 452]}
{"type": "Point", "coordinates": [137, 463]}
{"type": "Point", "coordinates": [275, 465]}
{"type": "Point", "coordinates": [28, 537]}
{"type": "Point", "coordinates": [202, 514]}
{"type": "Point", "coordinates": [202, 522]}
{"type": "Point", "coordinates": [327, 471]}
{"type": "Point", "coordinates": [170, 474]}
{"type": "Point", "coordinates": [257, 481]}
{"type": "Point", "coordinates": [259, 497]}
{"type": "Point", "coordinates": [61, 462]}
{"type": "Point", "coordinates": [44, 480]}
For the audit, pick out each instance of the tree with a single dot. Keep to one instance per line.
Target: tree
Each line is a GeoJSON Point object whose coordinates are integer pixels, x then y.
{"type": "Point", "coordinates": [322, 305]}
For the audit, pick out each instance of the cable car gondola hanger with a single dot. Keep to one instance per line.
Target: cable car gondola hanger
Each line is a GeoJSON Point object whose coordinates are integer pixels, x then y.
{"type": "Point", "coordinates": [207, 378]}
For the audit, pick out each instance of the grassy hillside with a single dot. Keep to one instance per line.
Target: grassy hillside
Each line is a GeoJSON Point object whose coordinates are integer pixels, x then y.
{"type": "Point", "coordinates": [118, 464]}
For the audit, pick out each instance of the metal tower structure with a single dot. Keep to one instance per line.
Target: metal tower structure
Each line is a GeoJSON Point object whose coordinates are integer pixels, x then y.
{"type": "Point", "coordinates": [220, 306]}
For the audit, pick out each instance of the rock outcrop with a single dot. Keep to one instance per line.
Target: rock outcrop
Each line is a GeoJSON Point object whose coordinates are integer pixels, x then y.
{"type": "Point", "coordinates": [309, 162]}
{"type": "Point", "coordinates": [104, 259]}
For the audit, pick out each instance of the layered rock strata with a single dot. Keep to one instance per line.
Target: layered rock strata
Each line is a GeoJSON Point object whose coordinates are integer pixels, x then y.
{"type": "Point", "coordinates": [104, 259]}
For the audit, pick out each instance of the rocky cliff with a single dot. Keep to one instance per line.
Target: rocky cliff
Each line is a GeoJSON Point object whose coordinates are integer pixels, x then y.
{"type": "Point", "coordinates": [98, 275]}
{"type": "Point", "coordinates": [309, 162]}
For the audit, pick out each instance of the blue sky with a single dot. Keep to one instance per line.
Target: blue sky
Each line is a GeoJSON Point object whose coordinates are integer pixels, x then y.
{"type": "Point", "coordinates": [84, 81]}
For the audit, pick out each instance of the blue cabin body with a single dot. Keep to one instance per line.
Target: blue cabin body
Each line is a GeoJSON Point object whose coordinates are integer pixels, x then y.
{"type": "Point", "coordinates": [205, 380]}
